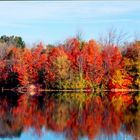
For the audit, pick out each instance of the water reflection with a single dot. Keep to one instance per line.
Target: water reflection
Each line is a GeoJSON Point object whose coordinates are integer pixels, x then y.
{"type": "Point", "coordinates": [71, 115]}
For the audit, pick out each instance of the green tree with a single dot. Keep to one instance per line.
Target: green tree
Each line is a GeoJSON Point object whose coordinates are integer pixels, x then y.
{"type": "Point", "coordinates": [13, 40]}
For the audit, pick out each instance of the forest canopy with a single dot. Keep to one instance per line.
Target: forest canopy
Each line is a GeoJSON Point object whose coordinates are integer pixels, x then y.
{"type": "Point", "coordinates": [74, 64]}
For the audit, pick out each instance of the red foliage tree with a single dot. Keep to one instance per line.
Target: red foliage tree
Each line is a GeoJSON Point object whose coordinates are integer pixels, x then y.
{"type": "Point", "coordinates": [112, 60]}
{"type": "Point", "coordinates": [92, 62]}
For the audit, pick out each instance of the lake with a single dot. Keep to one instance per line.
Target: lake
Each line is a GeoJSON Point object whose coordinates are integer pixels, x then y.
{"type": "Point", "coordinates": [72, 116]}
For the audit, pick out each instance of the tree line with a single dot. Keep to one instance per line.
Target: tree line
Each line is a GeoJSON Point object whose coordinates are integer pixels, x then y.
{"type": "Point", "coordinates": [72, 64]}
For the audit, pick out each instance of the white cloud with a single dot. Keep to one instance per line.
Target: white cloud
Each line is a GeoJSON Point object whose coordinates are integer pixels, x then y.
{"type": "Point", "coordinates": [60, 10]}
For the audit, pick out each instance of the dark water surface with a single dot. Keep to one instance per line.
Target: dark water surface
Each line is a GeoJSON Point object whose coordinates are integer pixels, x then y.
{"type": "Point", "coordinates": [68, 116]}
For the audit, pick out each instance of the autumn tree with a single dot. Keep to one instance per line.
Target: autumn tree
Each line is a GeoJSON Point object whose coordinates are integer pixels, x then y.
{"type": "Point", "coordinates": [132, 62]}
{"type": "Point", "coordinates": [120, 80]}
{"type": "Point", "coordinates": [92, 62]}
{"type": "Point", "coordinates": [112, 60]}
{"type": "Point", "coordinates": [39, 61]}
{"type": "Point", "coordinates": [57, 67]}
{"type": "Point", "coordinates": [6, 65]}
{"type": "Point", "coordinates": [73, 49]}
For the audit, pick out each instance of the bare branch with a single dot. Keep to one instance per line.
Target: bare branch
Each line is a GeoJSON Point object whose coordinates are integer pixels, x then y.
{"type": "Point", "coordinates": [113, 37]}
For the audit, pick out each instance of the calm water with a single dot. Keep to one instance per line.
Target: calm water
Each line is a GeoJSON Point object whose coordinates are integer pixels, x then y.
{"type": "Point", "coordinates": [68, 116]}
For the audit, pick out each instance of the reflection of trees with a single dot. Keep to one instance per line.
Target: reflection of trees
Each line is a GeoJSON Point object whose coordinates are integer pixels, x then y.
{"type": "Point", "coordinates": [29, 114]}
{"type": "Point", "coordinates": [92, 116]}
{"type": "Point", "coordinates": [7, 121]}
{"type": "Point", "coordinates": [111, 122]}
{"type": "Point", "coordinates": [73, 114]}
{"type": "Point", "coordinates": [133, 126]}
{"type": "Point", "coordinates": [120, 100]}
{"type": "Point", "coordinates": [128, 109]}
{"type": "Point", "coordinates": [132, 120]}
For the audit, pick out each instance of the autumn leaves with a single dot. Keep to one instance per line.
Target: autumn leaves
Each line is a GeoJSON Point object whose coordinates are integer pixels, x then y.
{"type": "Point", "coordinates": [73, 64]}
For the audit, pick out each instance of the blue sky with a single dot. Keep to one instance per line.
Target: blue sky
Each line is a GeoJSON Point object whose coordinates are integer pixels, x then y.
{"type": "Point", "coordinates": [55, 21]}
